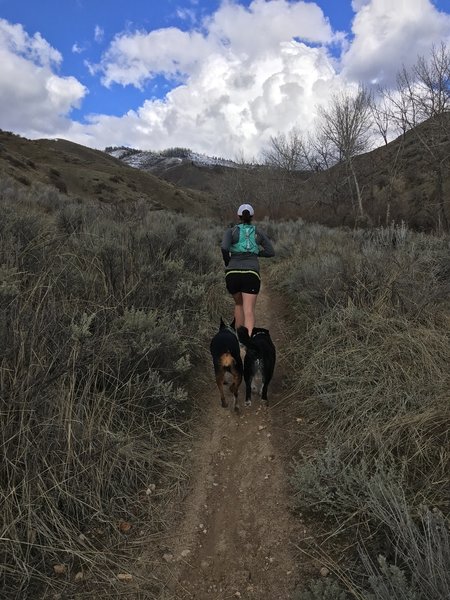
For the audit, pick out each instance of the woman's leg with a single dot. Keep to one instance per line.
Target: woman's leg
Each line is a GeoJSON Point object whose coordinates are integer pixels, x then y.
{"type": "Point", "coordinates": [238, 310]}
{"type": "Point", "coordinates": [248, 306]}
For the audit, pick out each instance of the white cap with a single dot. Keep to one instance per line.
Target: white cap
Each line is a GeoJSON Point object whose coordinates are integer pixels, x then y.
{"type": "Point", "coordinates": [243, 207]}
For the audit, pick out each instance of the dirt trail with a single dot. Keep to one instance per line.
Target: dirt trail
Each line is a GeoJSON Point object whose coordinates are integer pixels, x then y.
{"type": "Point", "coordinates": [235, 537]}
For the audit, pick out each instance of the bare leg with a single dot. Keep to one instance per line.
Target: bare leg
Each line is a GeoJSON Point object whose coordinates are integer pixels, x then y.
{"type": "Point", "coordinates": [248, 306]}
{"type": "Point", "coordinates": [238, 310]}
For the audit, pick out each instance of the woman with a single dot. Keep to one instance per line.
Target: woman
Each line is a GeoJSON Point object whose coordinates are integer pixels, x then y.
{"type": "Point", "coordinates": [241, 247]}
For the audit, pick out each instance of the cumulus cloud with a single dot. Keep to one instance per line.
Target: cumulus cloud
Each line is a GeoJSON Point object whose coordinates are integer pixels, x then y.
{"type": "Point", "coordinates": [227, 107]}
{"type": "Point", "coordinates": [387, 38]}
{"type": "Point", "coordinates": [243, 74]}
{"type": "Point", "coordinates": [37, 101]}
{"type": "Point", "coordinates": [134, 59]}
{"type": "Point", "coordinates": [233, 87]}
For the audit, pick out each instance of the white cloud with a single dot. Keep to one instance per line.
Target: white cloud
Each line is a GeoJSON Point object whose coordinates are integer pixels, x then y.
{"type": "Point", "coordinates": [99, 34]}
{"type": "Point", "coordinates": [37, 101]}
{"type": "Point", "coordinates": [228, 105]}
{"type": "Point", "coordinates": [247, 73]}
{"type": "Point", "coordinates": [358, 4]}
{"type": "Point", "coordinates": [266, 24]}
{"type": "Point", "coordinates": [136, 58]}
{"type": "Point", "coordinates": [187, 14]}
{"type": "Point", "coordinates": [76, 49]}
{"type": "Point", "coordinates": [387, 37]}
{"type": "Point", "coordinates": [15, 40]}
{"type": "Point", "coordinates": [235, 89]}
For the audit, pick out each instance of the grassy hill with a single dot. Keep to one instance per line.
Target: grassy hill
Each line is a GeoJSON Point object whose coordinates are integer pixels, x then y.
{"type": "Point", "coordinates": [86, 174]}
{"type": "Point", "coordinates": [399, 182]}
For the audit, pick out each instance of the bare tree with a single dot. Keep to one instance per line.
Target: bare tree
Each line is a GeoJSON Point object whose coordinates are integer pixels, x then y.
{"type": "Point", "coordinates": [382, 114]}
{"type": "Point", "coordinates": [286, 152]}
{"type": "Point", "coordinates": [425, 90]}
{"type": "Point", "coordinates": [346, 125]}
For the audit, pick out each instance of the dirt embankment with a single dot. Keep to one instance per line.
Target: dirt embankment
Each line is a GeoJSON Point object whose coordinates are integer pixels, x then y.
{"type": "Point", "coordinates": [237, 536]}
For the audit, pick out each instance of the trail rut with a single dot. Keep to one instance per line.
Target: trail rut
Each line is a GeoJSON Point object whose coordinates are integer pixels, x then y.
{"type": "Point", "coordinates": [237, 534]}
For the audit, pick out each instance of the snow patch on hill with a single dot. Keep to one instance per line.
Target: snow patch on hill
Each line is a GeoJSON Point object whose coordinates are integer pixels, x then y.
{"type": "Point", "coordinates": [161, 161]}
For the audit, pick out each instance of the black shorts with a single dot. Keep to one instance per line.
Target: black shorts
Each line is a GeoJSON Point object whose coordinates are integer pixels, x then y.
{"type": "Point", "coordinates": [248, 282]}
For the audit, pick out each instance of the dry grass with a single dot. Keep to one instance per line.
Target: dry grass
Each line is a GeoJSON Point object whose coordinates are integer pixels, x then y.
{"type": "Point", "coordinates": [373, 351]}
{"type": "Point", "coordinates": [102, 313]}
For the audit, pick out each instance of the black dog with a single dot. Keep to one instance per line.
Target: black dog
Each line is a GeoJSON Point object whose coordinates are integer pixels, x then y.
{"type": "Point", "coordinates": [259, 359]}
{"type": "Point", "coordinates": [225, 352]}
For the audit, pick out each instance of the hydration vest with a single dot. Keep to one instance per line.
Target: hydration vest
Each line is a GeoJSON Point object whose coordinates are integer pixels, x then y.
{"type": "Point", "coordinates": [246, 242]}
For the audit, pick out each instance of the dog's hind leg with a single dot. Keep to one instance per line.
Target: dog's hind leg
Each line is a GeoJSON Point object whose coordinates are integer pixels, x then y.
{"type": "Point", "coordinates": [234, 387]}
{"type": "Point", "coordinates": [219, 380]}
{"type": "Point", "coordinates": [248, 377]}
{"type": "Point", "coordinates": [264, 391]}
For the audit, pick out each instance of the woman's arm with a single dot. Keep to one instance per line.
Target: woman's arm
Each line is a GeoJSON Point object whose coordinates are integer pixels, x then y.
{"type": "Point", "coordinates": [268, 249]}
{"type": "Point", "coordinates": [225, 245]}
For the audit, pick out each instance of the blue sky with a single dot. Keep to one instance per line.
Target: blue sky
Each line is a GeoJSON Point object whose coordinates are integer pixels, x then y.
{"type": "Point", "coordinates": [218, 76]}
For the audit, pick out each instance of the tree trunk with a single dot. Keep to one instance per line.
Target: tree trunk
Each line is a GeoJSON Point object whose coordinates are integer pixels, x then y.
{"type": "Point", "coordinates": [440, 198]}
{"type": "Point", "coordinates": [358, 191]}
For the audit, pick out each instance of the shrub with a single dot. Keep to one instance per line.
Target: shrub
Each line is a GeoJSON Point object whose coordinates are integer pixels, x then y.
{"type": "Point", "coordinates": [100, 314]}
{"type": "Point", "coordinates": [371, 366]}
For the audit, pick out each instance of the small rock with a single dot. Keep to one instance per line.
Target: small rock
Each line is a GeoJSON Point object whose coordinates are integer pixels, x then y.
{"type": "Point", "coordinates": [124, 526]}
{"type": "Point", "coordinates": [204, 564]}
{"type": "Point", "coordinates": [237, 595]}
{"type": "Point", "coordinates": [168, 557]}
{"type": "Point", "coordinates": [185, 553]}
{"type": "Point", "coordinates": [124, 576]}
{"type": "Point", "coordinates": [324, 571]}
{"type": "Point", "coordinates": [261, 427]}
{"type": "Point", "coordinates": [151, 488]}
{"type": "Point", "coordinates": [59, 569]}
{"type": "Point", "coordinates": [79, 576]}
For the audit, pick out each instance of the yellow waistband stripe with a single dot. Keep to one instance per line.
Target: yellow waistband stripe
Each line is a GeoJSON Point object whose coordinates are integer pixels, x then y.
{"type": "Point", "coordinates": [253, 273]}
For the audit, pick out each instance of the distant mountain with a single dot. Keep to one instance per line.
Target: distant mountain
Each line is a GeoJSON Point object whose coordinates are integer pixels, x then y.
{"type": "Point", "coordinates": [160, 162]}
{"type": "Point", "coordinates": [182, 167]}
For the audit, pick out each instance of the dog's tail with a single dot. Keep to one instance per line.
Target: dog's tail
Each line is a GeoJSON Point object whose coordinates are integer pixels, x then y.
{"type": "Point", "coordinates": [244, 338]}
{"type": "Point", "coordinates": [226, 360]}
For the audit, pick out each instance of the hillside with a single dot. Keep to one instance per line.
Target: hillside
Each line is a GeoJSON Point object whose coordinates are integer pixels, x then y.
{"type": "Point", "coordinates": [83, 173]}
{"type": "Point", "coordinates": [398, 181]}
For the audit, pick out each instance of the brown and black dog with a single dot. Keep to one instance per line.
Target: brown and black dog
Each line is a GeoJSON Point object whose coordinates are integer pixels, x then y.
{"type": "Point", "coordinates": [225, 352]}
